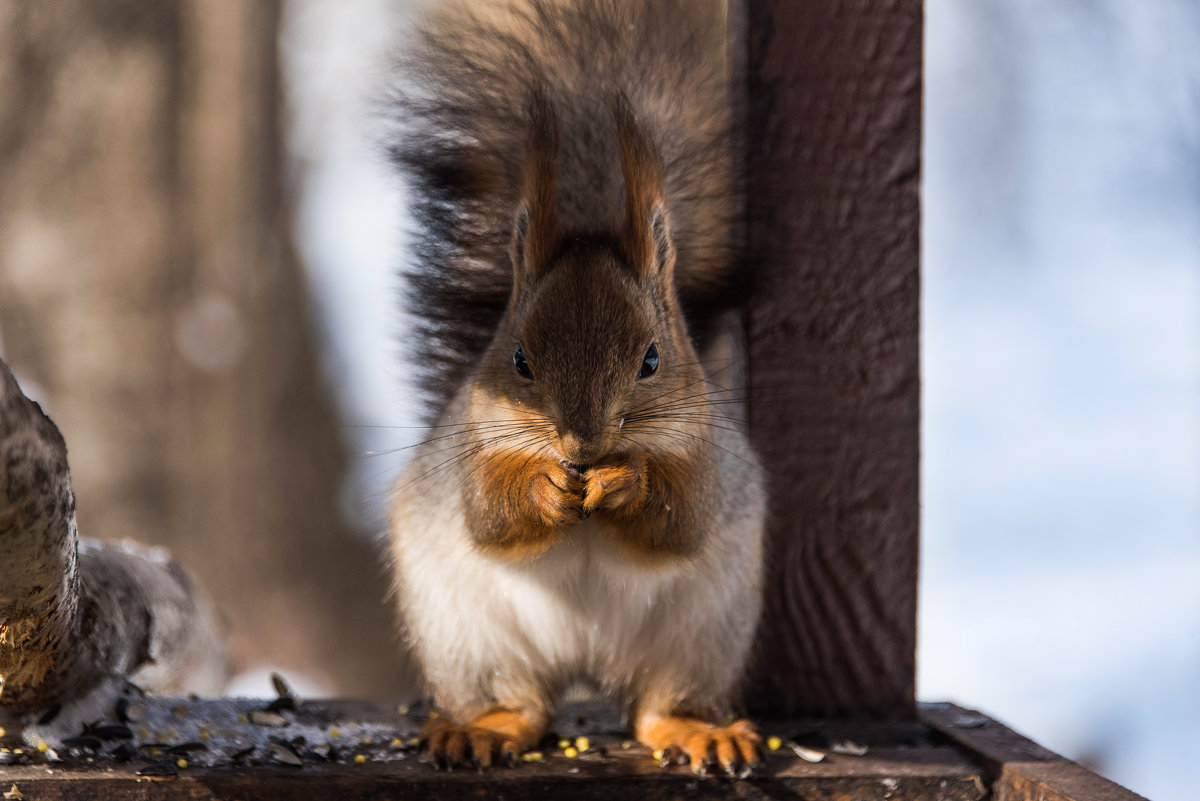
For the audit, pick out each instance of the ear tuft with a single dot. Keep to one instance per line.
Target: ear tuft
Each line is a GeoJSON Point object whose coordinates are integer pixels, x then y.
{"type": "Point", "coordinates": [646, 237]}
{"type": "Point", "coordinates": [535, 232]}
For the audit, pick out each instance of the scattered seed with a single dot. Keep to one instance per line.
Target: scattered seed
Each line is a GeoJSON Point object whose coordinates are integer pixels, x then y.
{"type": "Point", "coordinates": [367, 741]}
{"type": "Point", "coordinates": [658, 755]}
{"type": "Point", "coordinates": [532, 756]}
{"type": "Point", "coordinates": [181, 763]}
{"type": "Point", "coordinates": [564, 743]}
{"type": "Point", "coordinates": [261, 717]}
{"type": "Point", "coordinates": [335, 733]}
{"type": "Point", "coordinates": [774, 743]}
{"type": "Point", "coordinates": [359, 759]}
{"type": "Point", "coordinates": [402, 709]}
{"type": "Point", "coordinates": [42, 746]}
{"type": "Point", "coordinates": [397, 742]}
{"type": "Point", "coordinates": [582, 744]}
{"type": "Point", "coordinates": [285, 754]}
{"type": "Point", "coordinates": [570, 752]}
{"type": "Point", "coordinates": [325, 751]}
{"type": "Point", "coordinates": [414, 740]}
{"type": "Point", "coordinates": [807, 754]}
{"type": "Point", "coordinates": [848, 747]}
{"type": "Point", "coordinates": [281, 686]}
{"type": "Point", "coordinates": [626, 745]}
{"type": "Point", "coordinates": [204, 735]}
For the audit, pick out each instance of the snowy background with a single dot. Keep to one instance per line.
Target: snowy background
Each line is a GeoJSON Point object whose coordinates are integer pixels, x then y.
{"type": "Point", "coordinates": [1060, 585]}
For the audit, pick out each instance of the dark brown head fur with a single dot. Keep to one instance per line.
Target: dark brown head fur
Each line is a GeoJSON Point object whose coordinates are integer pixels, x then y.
{"type": "Point", "coordinates": [584, 328]}
{"type": "Point", "coordinates": [586, 308]}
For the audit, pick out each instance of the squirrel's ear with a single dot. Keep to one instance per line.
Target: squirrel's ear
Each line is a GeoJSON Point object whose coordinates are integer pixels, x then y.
{"type": "Point", "coordinates": [534, 228]}
{"type": "Point", "coordinates": [646, 237]}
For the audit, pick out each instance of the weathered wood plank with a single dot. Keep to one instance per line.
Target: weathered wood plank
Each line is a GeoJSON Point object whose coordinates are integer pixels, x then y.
{"type": "Point", "coordinates": [1019, 769]}
{"type": "Point", "coordinates": [950, 753]}
{"type": "Point", "coordinates": [834, 130]}
{"type": "Point", "coordinates": [901, 762]}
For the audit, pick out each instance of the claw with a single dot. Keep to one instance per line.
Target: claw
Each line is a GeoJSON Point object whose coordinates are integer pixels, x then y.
{"type": "Point", "coordinates": [733, 751]}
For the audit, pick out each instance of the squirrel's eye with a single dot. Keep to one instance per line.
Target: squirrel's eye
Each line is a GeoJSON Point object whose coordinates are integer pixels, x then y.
{"type": "Point", "coordinates": [649, 362]}
{"type": "Point", "coordinates": [522, 365]}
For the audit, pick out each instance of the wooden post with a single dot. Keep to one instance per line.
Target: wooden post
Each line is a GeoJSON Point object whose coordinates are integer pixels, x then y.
{"type": "Point", "coordinates": [834, 128]}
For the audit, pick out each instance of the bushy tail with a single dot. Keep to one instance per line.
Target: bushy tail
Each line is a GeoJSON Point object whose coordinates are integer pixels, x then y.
{"type": "Point", "coordinates": [462, 129]}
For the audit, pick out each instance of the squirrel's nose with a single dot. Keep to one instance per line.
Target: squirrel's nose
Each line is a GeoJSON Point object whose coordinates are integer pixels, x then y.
{"type": "Point", "coordinates": [578, 447]}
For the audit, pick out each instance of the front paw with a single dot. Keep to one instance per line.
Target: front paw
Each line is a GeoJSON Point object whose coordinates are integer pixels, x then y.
{"type": "Point", "coordinates": [735, 749]}
{"type": "Point", "coordinates": [556, 493]}
{"type": "Point", "coordinates": [615, 485]}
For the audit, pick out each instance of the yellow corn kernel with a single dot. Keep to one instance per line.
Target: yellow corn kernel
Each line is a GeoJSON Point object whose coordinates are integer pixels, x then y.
{"type": "Point", "coordinates": [402, 709]}
{"type": "Point", "coordinates": [359, 759]}
{"type": "Point", "coordinates": [570, 752]}
{"type": "Point", "coordinates": [582, 743]}
{"type": "Point", "coordinates": [335, 733]}
{"type": "Point", "coordinates": [774, 743]}
{"type": "Point", "coordinates": [182, 763]}
{"type": "Point", "coordinates": [532, 756]}
{"type": "Point", "coordinates": [367, 741]}
{"type": "Point", "coordinates": [43, 747]}
{"type": "Point", "coordinates": [397, 742]}
{"type": "Point", "coordinates": [657, 755]}
{"type": "Point", "coordinates": [564, 743]}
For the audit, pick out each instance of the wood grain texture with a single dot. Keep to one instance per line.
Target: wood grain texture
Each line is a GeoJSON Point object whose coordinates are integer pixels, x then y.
{"type": "Point", "coordinates": [834, 115]}
{"type": "Point", "coordinates": [1017, 768]}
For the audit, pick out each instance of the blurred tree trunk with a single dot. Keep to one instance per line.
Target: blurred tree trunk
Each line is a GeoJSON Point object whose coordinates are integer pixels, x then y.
{"type": "Point", "coordinates": [151, 298]}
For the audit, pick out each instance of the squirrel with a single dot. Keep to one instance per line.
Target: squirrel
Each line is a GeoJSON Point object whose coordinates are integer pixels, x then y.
{"type": "Point", "coordinates": [587, 508]}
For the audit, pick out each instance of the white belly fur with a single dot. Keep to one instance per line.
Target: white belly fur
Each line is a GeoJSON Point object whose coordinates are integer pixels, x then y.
{"type": "Point", "coordinates": [493, 632]}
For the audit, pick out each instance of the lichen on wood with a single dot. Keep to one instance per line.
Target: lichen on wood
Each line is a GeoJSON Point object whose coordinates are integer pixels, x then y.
{"type": "Point", "coordinates": [75, 618]}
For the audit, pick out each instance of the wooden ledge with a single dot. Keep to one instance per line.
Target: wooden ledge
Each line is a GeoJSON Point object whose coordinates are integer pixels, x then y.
{"type": "Point", "coordinates": [952, 753]}
{"type": "Point", "coordinates": [1018, 768]}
